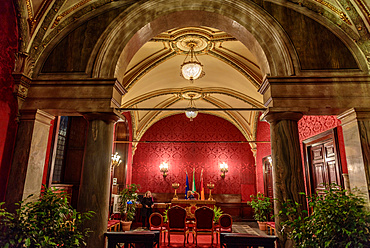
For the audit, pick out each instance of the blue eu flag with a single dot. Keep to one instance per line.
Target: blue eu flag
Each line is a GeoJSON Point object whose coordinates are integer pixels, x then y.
{"type": "Point", "coordinates": [187, 187]}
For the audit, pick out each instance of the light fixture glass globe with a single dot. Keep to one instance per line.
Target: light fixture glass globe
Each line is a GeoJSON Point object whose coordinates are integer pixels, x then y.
{"type": "Point", "coordinates": [191, 70]}
{"type": "Point", "coordinates": [191, 113]}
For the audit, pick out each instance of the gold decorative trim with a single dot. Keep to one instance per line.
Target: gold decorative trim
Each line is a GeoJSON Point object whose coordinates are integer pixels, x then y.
{"type": "Point", "coordinates": [340, 13]}
{"type": "Point", "coordinates": [31, 19]}
{"type": "Point", "coordinates": [68, 11]}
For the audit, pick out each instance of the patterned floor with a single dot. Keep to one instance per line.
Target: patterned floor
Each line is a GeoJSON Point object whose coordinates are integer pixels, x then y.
{"type": "Point", "coordinates": [245, 228]}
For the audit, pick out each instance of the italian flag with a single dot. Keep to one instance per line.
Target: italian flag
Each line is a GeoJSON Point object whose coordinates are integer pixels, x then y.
{"type": "Point", "coordinates": [193, 186]}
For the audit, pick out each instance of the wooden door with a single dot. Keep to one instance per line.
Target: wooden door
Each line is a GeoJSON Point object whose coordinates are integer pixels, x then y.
{"type": "Point", "coordinates": [267, 176]}
{"type": "Point", "coordinates": [323, 165]}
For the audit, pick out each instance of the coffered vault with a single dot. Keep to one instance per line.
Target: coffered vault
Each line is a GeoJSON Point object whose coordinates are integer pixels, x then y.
{"type": "Point", "coordinates": [153, 80]}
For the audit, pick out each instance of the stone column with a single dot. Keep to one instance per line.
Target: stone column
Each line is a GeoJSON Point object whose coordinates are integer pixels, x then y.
{"type": "Point", "coordinates": [95, 181]}
{"type": "Point", "coordinates": [287, 166]}
{"type": "Point", "coordinates": [356, 133]}
{"type": "Point", "coordinates": [27, 169]}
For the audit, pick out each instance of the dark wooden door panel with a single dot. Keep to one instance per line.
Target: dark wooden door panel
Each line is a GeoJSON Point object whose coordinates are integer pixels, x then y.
{"type": "Point", "coordinates": [322, 162]}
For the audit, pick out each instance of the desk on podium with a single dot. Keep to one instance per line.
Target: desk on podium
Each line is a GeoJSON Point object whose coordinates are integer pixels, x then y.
{"type": "Point", "coordinates": [192, 205]}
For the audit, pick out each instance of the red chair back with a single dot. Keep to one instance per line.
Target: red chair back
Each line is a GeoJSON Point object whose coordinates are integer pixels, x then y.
{"type": "Point", "coordinates": [204, 218]}
{"type": "Point", "coordinates": [176, 217]}
{"type": "Point", "coordinates": [225, 221]}
{"type": "Point", "coordinates": [155, 220]}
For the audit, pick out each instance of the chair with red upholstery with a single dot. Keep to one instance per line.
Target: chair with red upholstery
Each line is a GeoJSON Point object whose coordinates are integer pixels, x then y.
{"type": "Point", "coordinates": [177, 222]}
{"type": "Point", "coordinates": [156, 224]}
{"type": "Point", "coordinates": [203, 223]}
{"type": "Point", "coordinates": [225, 225]}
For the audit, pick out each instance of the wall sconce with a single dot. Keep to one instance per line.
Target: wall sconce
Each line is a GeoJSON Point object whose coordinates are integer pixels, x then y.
{"type": "Point", "coordinates": [116, 160]}
{"type": "Point", "coordinates": [224, 168]}
{"type": "Point", "coordinates": [164, 168]}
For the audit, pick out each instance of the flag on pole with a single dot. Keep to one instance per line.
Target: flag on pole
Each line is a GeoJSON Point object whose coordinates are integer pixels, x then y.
{"type": "Point", "coordinates": [201, 186]}
{"type": "Point", "coordinates": [187, 187]}
{"type": "Point", "coordinates": [193, 188]}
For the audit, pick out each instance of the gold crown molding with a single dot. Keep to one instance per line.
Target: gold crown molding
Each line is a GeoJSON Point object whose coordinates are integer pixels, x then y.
{"type": "Point", "coordinates": [68, 11]}
{"type": "Point", "coordinates": [337, 11]}
{"type": "Point", "coordinates": [239, 66]}
{"type": "Point", "coordinates": [145, 68]}
{"type": "Point", "coordinates": [180, 91]}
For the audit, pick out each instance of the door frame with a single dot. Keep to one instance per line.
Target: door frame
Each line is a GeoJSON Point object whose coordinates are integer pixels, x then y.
{"type": "Point", "coordinates": [308, 143]}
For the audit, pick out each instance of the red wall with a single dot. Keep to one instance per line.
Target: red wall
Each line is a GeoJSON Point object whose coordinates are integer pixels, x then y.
{"type": "Point", "coordinates": [183, 157]}
{"type": "Point", "coordinates": [310, 126]}
{"type": "Point", "coordinates": [8, 104]}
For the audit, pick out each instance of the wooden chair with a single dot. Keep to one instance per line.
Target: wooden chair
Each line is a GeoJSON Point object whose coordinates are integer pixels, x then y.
{"type": "Point", "coordinates": [270, 228]}
{"type": "Point", "coordinates": [225, 225]}
{"type": "Point", "coordinates": [177, 222]}
{"type": "Point", "coordinates": [203, 223]}
{"type": "Point", "coordinates": [156, 224]}
{"type": "Point", "coordinates": [114, 226]}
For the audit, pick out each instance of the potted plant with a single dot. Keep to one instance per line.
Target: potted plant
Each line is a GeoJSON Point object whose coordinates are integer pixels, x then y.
{"type": "Point", "coordinates": [48, 222]}
{"type": "Point", "coordinates": [337, 219]}
{"type": "Point", "coordinates": [218, 212]}
{"type": "Point", "coordinates": [262, 208]}
{"type": "Point", "coordinates": [128, 197]}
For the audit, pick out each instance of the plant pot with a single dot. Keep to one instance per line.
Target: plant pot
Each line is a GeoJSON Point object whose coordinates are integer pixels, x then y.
{"type": "Point", "coordinates": [262, 225]}
{"type": "Point", "coordinates": [126, 225]}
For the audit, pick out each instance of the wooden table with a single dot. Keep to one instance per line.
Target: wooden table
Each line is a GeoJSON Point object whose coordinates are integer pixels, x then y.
{"type": "Point", "coordinates": [192, 205]}
{"type": "Point", "coordinates": [236, 240]}
{"type": "Point", "coordinates": [148, 238]}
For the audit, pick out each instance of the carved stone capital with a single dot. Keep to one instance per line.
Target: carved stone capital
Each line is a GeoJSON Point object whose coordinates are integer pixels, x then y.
{"type": "Point", "coordinates": [107, 117]}
{"type": "Point", "coordinates": [271, 116]}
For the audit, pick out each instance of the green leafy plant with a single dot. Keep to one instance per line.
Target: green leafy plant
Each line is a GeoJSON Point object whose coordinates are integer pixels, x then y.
{"type": "Point", "coordinates": [48, 222]}
{"type": "Point", "coordinates": [128, 198]}
{"type": "Point", "coordinates": [165, 217]}
{"type": "Point", "coordinates": [262, 207]}
{"type": "Point", "coordinates": [218, 212]}
{"type": "Point", "coordinates": [338, 219]}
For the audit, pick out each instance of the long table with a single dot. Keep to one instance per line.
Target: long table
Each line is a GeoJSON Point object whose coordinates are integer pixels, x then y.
{"type": "Point", "coordinates": [148, 238]}
{"type": "Point", "coordinates": [192, 205]}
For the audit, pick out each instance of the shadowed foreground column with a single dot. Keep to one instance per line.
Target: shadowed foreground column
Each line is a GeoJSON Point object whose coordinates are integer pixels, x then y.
{"type": "Point", "coordinates": [286, 163]}
{"type": "Point", "coordinates": [94, 188]}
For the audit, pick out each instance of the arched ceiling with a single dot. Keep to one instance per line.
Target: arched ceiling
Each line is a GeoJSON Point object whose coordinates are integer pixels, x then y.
{"type": "Point", "coordinates": [232, 78]}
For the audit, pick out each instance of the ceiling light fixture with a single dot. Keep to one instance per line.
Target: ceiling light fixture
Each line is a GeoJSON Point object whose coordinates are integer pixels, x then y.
{"type": "Point", "coordinates": [192, 69]}
{"type": "Point", "coordinates": [191, 112]}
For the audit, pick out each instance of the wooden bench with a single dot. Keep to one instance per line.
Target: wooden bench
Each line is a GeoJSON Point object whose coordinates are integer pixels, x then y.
{"type": "Point", "coordinates": [147, 238]}
{"type": "Point", "coordinates": [236, 240]}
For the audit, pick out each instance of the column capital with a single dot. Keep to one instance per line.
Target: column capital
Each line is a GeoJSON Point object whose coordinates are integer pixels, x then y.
{"type": "Point", "coordinates": [354, 114]}
{"type": "Point", "coordinates": [272, 116]}
{"type": "Point", "coordinates": [106, 117]}
{"type": "Point", "coordinates": [36, 115]}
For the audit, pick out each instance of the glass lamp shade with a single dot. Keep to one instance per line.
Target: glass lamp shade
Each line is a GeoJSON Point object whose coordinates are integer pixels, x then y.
{"type": "Point", "coordinates": [191, 70]}
{"type": "Point", "coordinates": [191, 113]}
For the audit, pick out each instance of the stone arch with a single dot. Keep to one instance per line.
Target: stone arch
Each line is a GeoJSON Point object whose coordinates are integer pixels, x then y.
{"type": "Point", "coordinates": [245, 21]}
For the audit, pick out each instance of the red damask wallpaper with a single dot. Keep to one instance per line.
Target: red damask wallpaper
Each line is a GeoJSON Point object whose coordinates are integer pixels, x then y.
{"type": "Point", "coordinates": [182, 157]}
{"type": "Point", "coordinates": [8, 104]}
{"type": "Point", "coordinates": [310, 126]}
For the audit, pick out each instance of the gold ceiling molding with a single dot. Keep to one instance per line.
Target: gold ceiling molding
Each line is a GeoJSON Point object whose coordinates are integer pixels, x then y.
{"type": "Point", "coordinates": [147, 64]}
{"type": "Point", "coordinates": [239, 66]}
{"type": "Point", "coordinates": [340, 13]}
{"type": "Point", "coordinates": [180, 91]}
{"type": "Point", "coordinates": [68, 11]}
